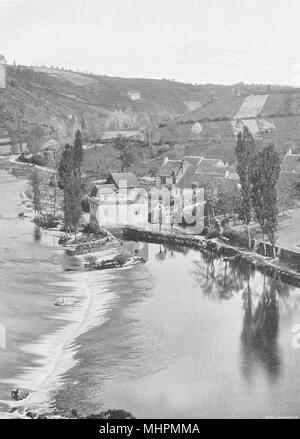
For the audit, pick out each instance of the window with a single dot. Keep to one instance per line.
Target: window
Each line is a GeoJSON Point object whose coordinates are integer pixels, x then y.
{"type": "Point", "coordinates": [163, 180]}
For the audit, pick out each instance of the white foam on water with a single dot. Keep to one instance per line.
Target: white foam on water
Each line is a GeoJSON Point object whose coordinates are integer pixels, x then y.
{"type": "Point", "coordinates": [55, 352]}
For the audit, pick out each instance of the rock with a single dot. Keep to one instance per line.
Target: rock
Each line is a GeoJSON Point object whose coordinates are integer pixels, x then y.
{"type": "Point", "coordinates": [21, 215]}
{"type": "Point", "coordinates": [31, 415]}
{"type": "Point", "coordinates": [65, 301]}
{"type": "Point", "coordinates": [19, 394]}
{"type": "Point", "coordinates": [64, 239]}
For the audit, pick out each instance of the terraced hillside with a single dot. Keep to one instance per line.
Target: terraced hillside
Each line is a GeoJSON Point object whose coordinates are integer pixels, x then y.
{"type": "Point", "coordinates": [212, 130]}
{"type": "Point", "coordinates": [40, 104]}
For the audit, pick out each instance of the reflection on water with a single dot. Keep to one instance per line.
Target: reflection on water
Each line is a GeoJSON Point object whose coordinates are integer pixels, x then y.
{"type": "Point", "coordinates": [260, 330]}
{"type": "Point", "coordinates": [189, 334]}
{"type": "Point", "coordinates": [37, 233]}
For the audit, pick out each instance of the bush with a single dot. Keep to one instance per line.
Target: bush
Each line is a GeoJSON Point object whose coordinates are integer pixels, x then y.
{"type": "Point", "coordinates": [239, 239]}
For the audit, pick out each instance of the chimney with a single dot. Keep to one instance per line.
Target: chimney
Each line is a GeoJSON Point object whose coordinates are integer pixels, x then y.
{"type": "Point", "coordinates": [166, 159]}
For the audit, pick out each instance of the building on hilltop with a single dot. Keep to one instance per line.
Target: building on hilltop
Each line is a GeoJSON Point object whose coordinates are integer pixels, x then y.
{"type": "Point", "coordinates": [134, 95]}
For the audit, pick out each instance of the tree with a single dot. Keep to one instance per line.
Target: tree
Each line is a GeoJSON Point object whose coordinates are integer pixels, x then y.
{"type": "Point", "coordinates": [265, 175]}
{"type": "Point", "coordinates": [211, 200]}
{"type": "Point", "coordinates": [70, 180]}
{"type": "Point", "coordinates": [54, 163]}
{"type": "Point", "coordinates": [66, 182]}
{"type": "Point", "coordinates": [127, 158]}
{"type": "Point", "coordinates": [244, 153]}
{"type": "Point", "coordinates": [286, 193]}
{"type": "Point", "coordinates": [78, 155]}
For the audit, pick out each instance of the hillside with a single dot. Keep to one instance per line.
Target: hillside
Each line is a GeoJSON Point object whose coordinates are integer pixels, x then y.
{"type": "Point", "coordinates": [40, 104]}
{"type": "Point", "coordinates": [212, 130]}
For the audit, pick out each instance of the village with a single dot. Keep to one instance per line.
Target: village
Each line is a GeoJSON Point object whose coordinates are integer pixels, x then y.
{"type": "Point", "coordinates": [164, 201]}
{"type": "Point", "coordinates": [150, 214]}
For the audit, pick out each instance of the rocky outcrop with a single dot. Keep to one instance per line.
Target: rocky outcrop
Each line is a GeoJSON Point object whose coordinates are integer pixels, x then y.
{"type": "Point", "coordinates": [94, 244]}
{"type": "Point", "coordinates": [19, 394]}
{"type": "Point", "coordinates": [117, 261]}
{"type": "Point", "coordinates": [65, 301]}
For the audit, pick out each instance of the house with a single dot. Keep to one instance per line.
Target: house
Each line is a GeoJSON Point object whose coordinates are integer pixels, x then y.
{"type": "Point", "coordinates": [115, 210]}
{"type": "Point", "coordinates": [291, 164]}
{"type": "Point", "coordinates": [5, 142]}
{"type": "Point", "coordinates": [103, 192]}
{"type": "Point", "coordinates": [119, 178]}
{"type": "Point", "coordinates": [194, 171]}
{"type": "Point", "coordinates": [171, 172]}
{"type": "Point", "coordinates": [119, 200]}
{"type": "Point", "coordinates": [202, 171]}
{"type": "Point", "coordinates": [134, 95]}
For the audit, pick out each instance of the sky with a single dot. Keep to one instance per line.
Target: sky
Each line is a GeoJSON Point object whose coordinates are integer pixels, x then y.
{"type": "Point", "coordinates": [195, 41]}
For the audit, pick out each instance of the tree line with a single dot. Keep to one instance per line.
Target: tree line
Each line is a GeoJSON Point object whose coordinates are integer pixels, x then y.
{"type": "Point", "coordinates": [259, 174]}
{"type": "Point", "coordinates": [67, 177]}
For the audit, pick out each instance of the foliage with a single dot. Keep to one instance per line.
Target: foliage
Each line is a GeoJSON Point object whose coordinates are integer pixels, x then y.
{"type": "Point", "coordinates": [244, 153]}
{"type": "Point", "coordinates": [286, 193]}
{"type": "Point", "coordinates": [127, 158]}
{"type": "Point", "coordinates": [71, 182]}
{"type": "Point", "coordinates": [78, 154]}
{"type": "Point", "coordinates": [266, 172]}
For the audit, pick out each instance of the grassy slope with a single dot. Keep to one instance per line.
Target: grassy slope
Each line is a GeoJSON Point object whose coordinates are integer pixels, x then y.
{"type": "Point", "coordinates": [39, 104]}
{"type": "Point", "coordinates": [217, 138]}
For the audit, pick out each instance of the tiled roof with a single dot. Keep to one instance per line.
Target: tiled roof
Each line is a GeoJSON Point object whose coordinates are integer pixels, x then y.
{"type": "Point", "coordinates": [170, 168]}
{"type": "Point", "coordinates": [187, 179]}
{"type": "Point", "coordinates": [193, 160]}
{"type": "Point", "coordinates": [101, 189]}
{"type": "Point", "coordinates": [202, 170]}
{"type": "Point", "coordinates": [209, 166]}
{"type": "Point", "coordinates": [129, 177]}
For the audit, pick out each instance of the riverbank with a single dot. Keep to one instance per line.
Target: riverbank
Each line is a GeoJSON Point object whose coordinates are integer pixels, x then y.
{"type": "Point", "coordinates": [37, 274]}
{"type": "Point", "coordinates": [197, 242]}
{"type": "Point", "coordinates": [39, 344]}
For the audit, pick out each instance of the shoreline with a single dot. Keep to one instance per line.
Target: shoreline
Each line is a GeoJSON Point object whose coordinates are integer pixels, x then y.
{"type": "Point", "coordinates": [74, 319]}
{"type": "Point", "coordinates": [258, 261]}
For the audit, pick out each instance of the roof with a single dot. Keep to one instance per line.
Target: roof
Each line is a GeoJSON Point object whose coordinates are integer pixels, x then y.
{"type": "Point", "coordinates": [291, 163]}
{"type": "Point", "coordinates": [101, 189]}
{"type": "Point", "coordinates": [187, 179]}
{"type": "Point", "coordinates": [202, 170]}
{"type": "Point", "coordinates": [129, 177]}
{"type": "Point", "coordinates": [210, 166]}
{"type": "Point", "coordinates": [170, 168]}
{"type": "Point", "coordinates": [192, 159]}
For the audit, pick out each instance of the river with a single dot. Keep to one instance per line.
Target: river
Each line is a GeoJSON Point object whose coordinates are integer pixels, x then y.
{"type": "Point", "coordinates": [185, 335]}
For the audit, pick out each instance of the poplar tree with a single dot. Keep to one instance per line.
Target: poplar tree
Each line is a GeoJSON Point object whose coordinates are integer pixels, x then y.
{"type": "Point", "coordinates": [266, 173]}
{"type": "Point", "coordinates": [66, 182]}
{"type": "Point", "coordinates": [70, 180]}
{"type": "Point", "coordinates": [78, 155]}
{"type": "Point", "coordinates": [244, 153]}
